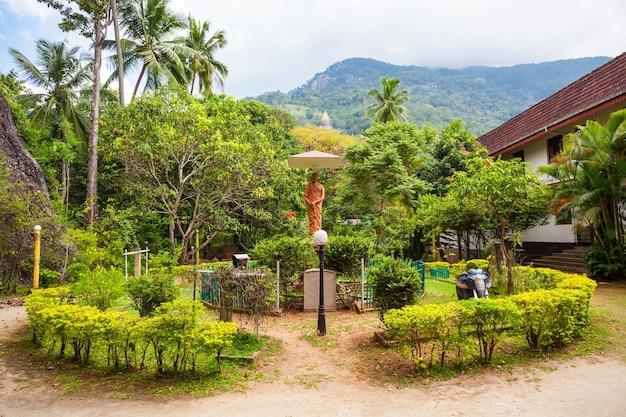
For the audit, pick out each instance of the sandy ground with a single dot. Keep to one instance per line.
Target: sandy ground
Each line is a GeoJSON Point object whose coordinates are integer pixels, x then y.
{"type": "Point", "coordinates": [583, 387]}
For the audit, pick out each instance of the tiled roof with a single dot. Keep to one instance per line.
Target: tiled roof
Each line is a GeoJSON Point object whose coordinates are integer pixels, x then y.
{"type": "Point", "coordinates": [601, 87]}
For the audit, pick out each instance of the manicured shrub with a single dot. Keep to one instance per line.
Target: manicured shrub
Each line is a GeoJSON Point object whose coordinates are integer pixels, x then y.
{"type": "Point", "coordinates": [78, 326]}
{"type": "Point", "coordinates": [490, 319]}
{"type": "Point", "coordinates": [294, 254]}
{"type": "Point", "coordinates": [477, 264]}
{"type": "Point", "coordinates": [174, 332]}
{"type": "Point", "coordinates": [148, 292]}
{"type": "Point", "coordinates": [395, 284]}
{"type": "Point", "coordinates": [344, 253]}
{"type": "Point", "coordinates": [438, 326]}
{"type": "Point", "coordinates": [39, 300]}
{"type": "Point", "coordinates": [99, 288]}
{"type": "Point", "coordinates": [550, 318]}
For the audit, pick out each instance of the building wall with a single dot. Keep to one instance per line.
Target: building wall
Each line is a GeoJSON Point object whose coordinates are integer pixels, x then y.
{"type": "Point", "coordinates": [536, 154]}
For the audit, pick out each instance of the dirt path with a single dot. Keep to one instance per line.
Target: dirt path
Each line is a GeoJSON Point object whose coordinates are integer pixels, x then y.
{"type": "Point", "coordinates": [313, 381]}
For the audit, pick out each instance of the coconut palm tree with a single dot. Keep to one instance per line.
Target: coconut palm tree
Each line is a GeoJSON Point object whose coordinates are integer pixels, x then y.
{"type": "Point", "coordinates": [389, 101]}
{"type": "Point", "coordinates": [149, 45]}
{"type": "Point", "coordinates": [202, 63]}
{"type": "Point", "coordinates": [60, 74]}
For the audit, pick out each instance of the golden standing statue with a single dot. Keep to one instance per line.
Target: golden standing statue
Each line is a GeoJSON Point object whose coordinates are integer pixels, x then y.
{"type": "Point", "coordinates": [314, 195]}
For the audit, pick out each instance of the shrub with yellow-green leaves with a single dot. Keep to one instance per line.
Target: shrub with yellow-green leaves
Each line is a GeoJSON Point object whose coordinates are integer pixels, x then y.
{"type": "Point", "coordinates": [174, 332]}
{"type": "Point", "coordinates": [551, 318]}
{"type": "Point", "coordinates": [428, 332]}
{"type": "Point", "coordinates": [490, 318]}
{"type": "Point", "coordinates": [546, 317]}
{"type": "Point", "coordinates": [39, 300]}
{"type": "Point", "coordinates": [477, 264]}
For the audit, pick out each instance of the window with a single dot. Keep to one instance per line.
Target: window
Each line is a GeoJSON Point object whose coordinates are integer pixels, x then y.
{"type": "Point", "coordinates": [519, 155]}
{"type": "Point", "coordinates": [555, 146]}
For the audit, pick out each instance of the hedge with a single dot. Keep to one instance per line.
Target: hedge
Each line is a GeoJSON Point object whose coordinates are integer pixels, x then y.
{"type": "Point", "coordinates": [171, 338]}
{"type": "Point", "coordinates": [547, 318]}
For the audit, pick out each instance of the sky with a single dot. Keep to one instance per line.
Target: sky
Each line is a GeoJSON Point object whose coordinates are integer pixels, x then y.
{"type": "Point", "coordinates": [278, 45]}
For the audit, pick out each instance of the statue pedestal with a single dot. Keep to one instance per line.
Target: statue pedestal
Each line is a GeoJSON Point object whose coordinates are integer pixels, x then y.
{"type": "Point", "coordinates": [312, 290]}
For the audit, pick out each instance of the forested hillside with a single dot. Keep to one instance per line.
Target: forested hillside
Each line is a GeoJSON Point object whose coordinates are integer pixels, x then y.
{"type": "Point", "coordinates": [482, 97]}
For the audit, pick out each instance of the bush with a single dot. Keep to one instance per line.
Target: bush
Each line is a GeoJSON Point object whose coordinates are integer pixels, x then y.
{"type": "Point", "coordinates": [395, 284]}
{"type": "Point", "coordinates": [294, 254]}
{"type": "Point", "coordinates": [477, 264]}
{"type": "Point", "coordinates": [48, 278]}
{"type": "Point", "coordinates": [344, 253]}
{"type": "Point", "coordinates": [551, 318]}
{"type": "Point", "coordinates": [438, 326]}
{"type": "Point", "coordinates": [100, 288]}
{"type": "Point", "coordinates": [490, 318]}
{"type": "Point", "coordinates": [149, 292]}
{"type": "Point", "coordinates": [174, 332]}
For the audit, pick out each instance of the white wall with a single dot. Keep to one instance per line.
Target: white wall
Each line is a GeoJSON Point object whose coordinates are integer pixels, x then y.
{"type": "Point", "coordinates": [536, 154]}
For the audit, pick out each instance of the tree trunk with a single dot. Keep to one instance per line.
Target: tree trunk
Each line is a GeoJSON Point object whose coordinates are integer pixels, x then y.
{"type": "Point", "coordinates": [65, 182]}
{"type": "Point", "coordinates": [92, 153]}
{"type": "Point", "coordinates": [118, 48]}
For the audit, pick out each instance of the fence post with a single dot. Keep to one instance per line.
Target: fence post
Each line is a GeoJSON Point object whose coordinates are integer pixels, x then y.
{"type": "Point", "coordinates": [362, 284]}
{"type": "Point", "coordinates": [137, 262]}
{"type": "Point", "coordinates": [277, 285]}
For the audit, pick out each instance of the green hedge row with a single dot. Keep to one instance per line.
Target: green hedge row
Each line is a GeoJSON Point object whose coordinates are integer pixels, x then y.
{"type": "Point", "coordinates": [171, 339]}
{"type": "Point", "coordinates": [472, 328]}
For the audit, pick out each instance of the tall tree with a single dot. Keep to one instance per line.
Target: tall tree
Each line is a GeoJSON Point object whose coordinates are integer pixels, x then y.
{"type": "Point", "coordinates": [91, 19]}
{"type": "Point", "coordinates": [204, 165]}
{"type": "Point", "coordinates": [149, 46]}
{"type": "Point", "coordinates": [59, 74]}
{"type": "Point", "coordinates": [202, 64]}
{"type": "Point", "coordinates": [591, 171]}
{"type": "Point", "coordinates": [381, 183]}
{"type": "Point", "coordinates": [389, 101]}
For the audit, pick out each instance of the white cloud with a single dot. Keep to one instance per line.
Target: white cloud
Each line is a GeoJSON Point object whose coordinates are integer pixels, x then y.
{"type": "Point", "coordinates": [30, 8]}
{"type": "Point", "coordinates": [280, 44]}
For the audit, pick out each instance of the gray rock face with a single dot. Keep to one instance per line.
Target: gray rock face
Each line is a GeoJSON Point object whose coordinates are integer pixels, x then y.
{"type": "Point", "coordinates": [23, 166]}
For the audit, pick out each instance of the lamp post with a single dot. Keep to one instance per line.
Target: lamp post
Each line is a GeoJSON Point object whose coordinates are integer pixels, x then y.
{"type": "Point", "coordinates": [320, 239]}
{"type": "Point", "coordinates": [36, 256]}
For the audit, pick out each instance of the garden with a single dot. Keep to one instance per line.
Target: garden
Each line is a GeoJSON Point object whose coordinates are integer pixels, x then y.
{"type": "Point", "coordinates": [157, 331]}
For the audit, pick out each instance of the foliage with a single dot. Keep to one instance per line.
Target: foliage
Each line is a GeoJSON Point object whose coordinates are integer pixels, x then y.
{"type": "Point", "coordinates": [150, 27]}
{"type": "Point", "coordinates": [449, 152]}
{"type": "Point", "coordinates": [148, 292]}
{"type": "Point", "coordinates": [590, 171]}
{"type": "Point", "coordinates": [547, 319]}
{"type": "Point", "coordinates": [389, 101]}
{"type": "Point", "coordinates": [99, 288]}
{"type": "Point", "coordinates": [202, 64]}
{"type": "Point", "coordinates": [513, 199]}
{"type": "Point", "coordinates": [175, 332]}
{"type": "Point", "coordinates": [477, 264]}
{"type": "Point", "coordinates": [344, 253]}
{"type": "Point", "coordinates": [17, 218]}
{"type": "Point", "coordinates": [395, 284]}
{"type": "Point", "coordinates": [382, 170]}
{"type": "Point", "coordinates": [490, 318]}
{"type": "Point", "coordinates": [180, 156]}
{"type": "Point", "coordinates": [551, 318]}
{"type": "Point", "coordinates": [59, 75]}
{"type": "Point", "coordinates": [322, 139]}
{"type": "Point", "coordinates": [294, 254]}
{"type": "Point", "coordinates": [437, 326]}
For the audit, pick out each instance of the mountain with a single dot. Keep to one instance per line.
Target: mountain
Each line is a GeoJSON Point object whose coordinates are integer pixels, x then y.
{"type": "Point", "coordinates": [482, 97]}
